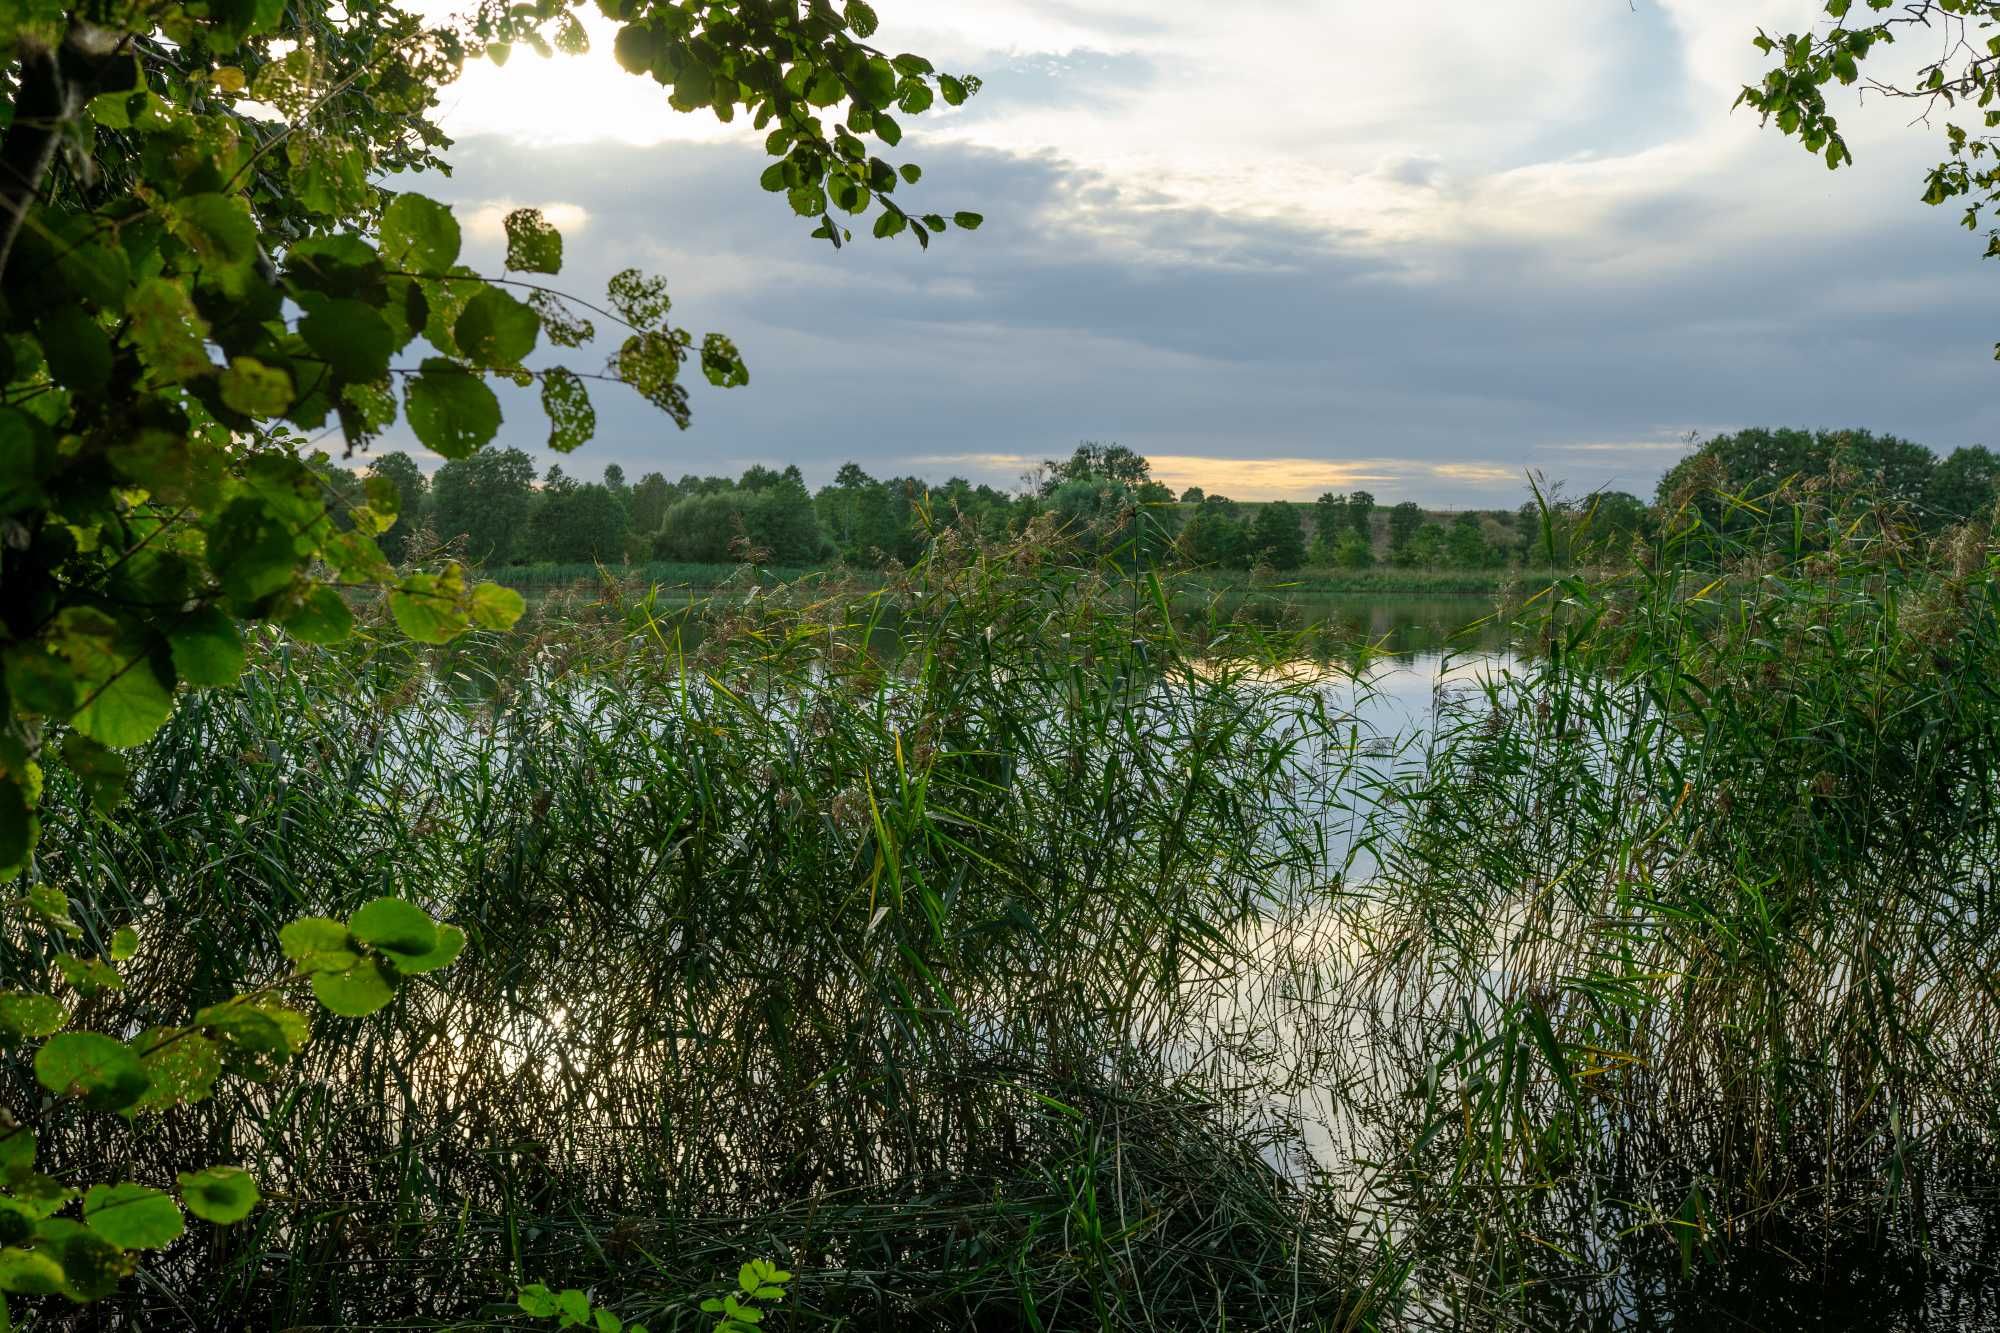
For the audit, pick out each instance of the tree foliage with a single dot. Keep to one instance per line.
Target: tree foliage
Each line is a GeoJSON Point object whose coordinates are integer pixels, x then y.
{"type": "Point", "coordinates": [1277, 538]}
{"type": "Point", "coordinates": [1953, 83]}
{"type": "Point", "coordinates": [1742, 466]}
{"type": "Point", "coordinates": [204, 273]}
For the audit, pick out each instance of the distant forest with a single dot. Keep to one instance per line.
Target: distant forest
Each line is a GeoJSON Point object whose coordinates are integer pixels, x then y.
{"type": "Point", "coordinates": [495, 506]}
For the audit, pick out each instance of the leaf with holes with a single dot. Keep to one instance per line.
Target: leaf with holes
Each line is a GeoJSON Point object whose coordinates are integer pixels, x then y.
{"type": "Point", "coordinates": [572, 419]}
{"type": "Point", "coordinates": [533, 245]}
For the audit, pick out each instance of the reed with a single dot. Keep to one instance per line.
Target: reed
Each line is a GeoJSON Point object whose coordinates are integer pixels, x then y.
{"type": "Point", "coordinates": [1680, 956]}
{"type": "Point", "coordinates": [850, 927]}
{"type": "Point", "coordinates": [1018, 943]}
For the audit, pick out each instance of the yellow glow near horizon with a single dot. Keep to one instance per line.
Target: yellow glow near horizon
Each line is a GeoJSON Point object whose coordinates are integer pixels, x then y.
{"type": "Point", "coordinates": [1305, 478]}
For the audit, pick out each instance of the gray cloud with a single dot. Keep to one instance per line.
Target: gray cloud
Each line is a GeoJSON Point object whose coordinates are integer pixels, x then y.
{"type": "Point", "coordinates": [1091, 309]}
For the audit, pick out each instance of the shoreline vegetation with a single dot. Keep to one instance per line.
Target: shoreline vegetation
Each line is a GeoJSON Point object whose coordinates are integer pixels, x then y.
{"type": "Point", "coordinates": [701, 577]}
{"type": "Point", "coordinates": [977, 947]}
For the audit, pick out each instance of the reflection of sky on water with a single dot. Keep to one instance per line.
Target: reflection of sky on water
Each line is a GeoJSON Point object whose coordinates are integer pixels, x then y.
{"type": "Point", "coordinates": [1396, 698]}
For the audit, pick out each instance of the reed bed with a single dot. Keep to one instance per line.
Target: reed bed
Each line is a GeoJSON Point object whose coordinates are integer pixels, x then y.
{"type": "Point", "coordinates": [1676, 979]}
{"type": "Point", "coordinates": [1003, 946]}
{"type": "Point", "coordinates": [845, 926]}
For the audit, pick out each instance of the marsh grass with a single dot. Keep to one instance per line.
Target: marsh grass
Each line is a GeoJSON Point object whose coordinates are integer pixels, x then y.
{"type": "Point", "coordinates": [849, 926]}
{"type": "Point", "coordinates": [1010, 944]}
{"type": "Point", "coordinates": [1681, 953]}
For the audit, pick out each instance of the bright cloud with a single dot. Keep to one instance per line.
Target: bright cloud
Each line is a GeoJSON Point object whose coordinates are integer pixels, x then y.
{"type": "Point", "coordinates": [1281, 248]}
{"type": "Point", "coordinates": [487, 222]}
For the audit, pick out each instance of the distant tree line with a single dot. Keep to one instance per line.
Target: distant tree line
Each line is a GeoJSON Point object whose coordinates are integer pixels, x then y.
{"type": "Point", "coordinates": [1105, 496]}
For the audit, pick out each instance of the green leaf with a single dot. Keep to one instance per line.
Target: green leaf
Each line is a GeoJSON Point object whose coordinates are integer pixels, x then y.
{"type": "Point", "coordinates": [101, 1073]}
{"type": "Point", "coordinates": [262, 1026]}
{"type": "Point", "coordinates": [77, 348]}
{"type": "Point", "coordinates": [350, 337]}
{"type": "Point", "coordinates": [220, 1194]}
{"type": "Point", "coordinates": [969, 221]}
{"type": "Point", "coordinates": [218, 228]}
{"type": "Point", "coordinates": [42, 1197]}
{"type": "Point", "coordinates": [90, 976]}
{"type": "Point", "coordinates": [124, 943]}
{"type": "Point", "coordinates": [357, 992]}
{"type": "Point", "coordinates": [451, 409]}
{"type": "Point", "coordinates": [255, 389]}
{"type": "Point", "coordinates": [426, 608]}
{"type": "Point", "coordinates": [538, 1300]}
{"type": "Point", "coordinates": [572, 419]}
{"type": "Point", "coordinates": [321, 616]}
{"type": "Point", "coordinates": [496, 606]}
{"type": "Point", "coordinates": [181, 1066]}
{"type": "Point", "coordinates": [573, 1304]}
{"type": "Point", "coordinates": [335, 265]}
{"type": "Point", "coordinates": [25, 1015]}
{"type": "Point", "coordinates": [649, 362]}
{"type": "Point", "coordinates": [848, 194]}
{"type": "Point", "coordinates": [533, 245]}
{"type": "Point", "coordinates": [92, 1266]}
{"type": "Point", "coordinates": [319, 944]}
{"type": "Point", "coordinates": [19, 827]}
{"type": "Point", "coordinates": [252, 548]}
{"type": "Point", "coordinates": [640, 301]}
{"type": "Point", "coordinates": [877, 83]}
{"type": "Point", "coordinates": [27, 454]}
{"type": "Point", "coordinates": [419, 235]}
{"type": "Point", "coordinates": [395, 927]}
{"type": "Point", "coordinates": [496, 330]}
{"type": "Point", "coordinates": [170, 336]}
{"type": "Point", "coordinates": [126, 707]}
{"type": "Point", "coordinates": [17, 1151]}
{"type": "Point", "coordinates": [207, 648]}
{"type": "Point", "coordinates": [52, 905]}
{"type": "Point", "coordinates": [826, 89]}
{"type": "Point", "coordinates": [133, 1217]}
{"type": "Point", "coordinates": [29, 1272]}
{"type": "Point", "coordinates": [450, 943]}
{"type": "Point", "coordinates": [633, 48]}
{"type": "Point", "coordinates": [39, 681]}
{"type": "Point", "coordinates": [102, 770]}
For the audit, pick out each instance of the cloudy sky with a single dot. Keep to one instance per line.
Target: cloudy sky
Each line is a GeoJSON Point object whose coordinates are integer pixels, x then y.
{"type": "Point", "coordinates": [1278, 246]}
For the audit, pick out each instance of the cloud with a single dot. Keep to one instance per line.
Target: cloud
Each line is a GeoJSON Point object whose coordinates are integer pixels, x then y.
{"type": "Point", "coordinates": [1678, 446]}
{"type": "Point", "coordinates": [487, 222]}
{"type": "Point", "coordinates": [1318, 245]}
{"type": "Point", "coordinates": [1279, 358]}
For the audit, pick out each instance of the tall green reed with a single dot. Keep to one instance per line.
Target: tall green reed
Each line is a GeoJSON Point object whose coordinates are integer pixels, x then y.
{"type": "Point", "coordinates": [1682, 947]}
{"type": "Point", "coordinates": [855, 927]}
{"type": "Point", "coordinates": [1004, 946]}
